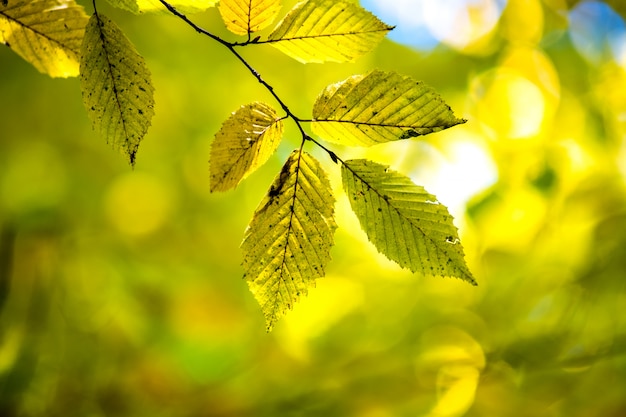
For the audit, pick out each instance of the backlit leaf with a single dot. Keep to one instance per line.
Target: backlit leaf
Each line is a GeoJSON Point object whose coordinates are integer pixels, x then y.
{"type": "Point", "coordinates": [287, 244]}
{"type": "Point", "coordinates": [328, 30]}
{"type": "Point", "coordinates": [152, 6]}
{"type": "Point", "coordinates": [404, 221]}
{"type": "Point", "coordinates": [46, 33]}
{"type": "Point", "coordinates": [116, 86]}
{"type": "Point", "coordinates": [245, 142]}
{"type": "Point", "coordinates": [378, 107]}
{"type": "Point", "coordinates": [246, 16]}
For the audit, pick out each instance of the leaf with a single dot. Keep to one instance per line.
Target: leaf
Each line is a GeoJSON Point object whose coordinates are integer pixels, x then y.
{"type": "Point", "coordinates": [245, 142]}
{"type": "Point", "coordinates": [116, 86]}
{"type": "Point", "coordinates": [403, 221]}
{"type": "Point", "coordinates": [287, 244]}
{"type": "Point", "coordinates": [378, 107]}
{"type": "Point", "coordinates": [328, 30]}
{"type": "Point", "coordinates": [46, 33]}
{"type": "Point", "coordinates": [152, 6]}
{"type": "Point", "coordinates": [243, 17]}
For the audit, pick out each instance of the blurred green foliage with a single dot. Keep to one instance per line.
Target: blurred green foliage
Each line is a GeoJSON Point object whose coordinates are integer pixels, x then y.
{"type": "Point", "coordinates": [121, 290]}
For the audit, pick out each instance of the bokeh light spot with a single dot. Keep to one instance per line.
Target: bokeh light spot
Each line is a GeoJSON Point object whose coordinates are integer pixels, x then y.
{"type": "Point", "coordinates": [463, 169]}
{"type": "Point", "coordinates": [456, 359]}
{"type": "Point", "coordinates": [598, 32]}
{"type": "Point", "coordinates": [523, 22]}
{"type": "Point", "coordinates": [509, 105]}
{"type": "Point", "coordinates": [408, 18]}
{"type": "Point", "coordinates": [459, 23]}
{"type": "Point", "coordinates": [425, 23]}
{"type": "Point", "coordinates": [138, 204]}
{"type": "Point", "coordinates": [456, 390]}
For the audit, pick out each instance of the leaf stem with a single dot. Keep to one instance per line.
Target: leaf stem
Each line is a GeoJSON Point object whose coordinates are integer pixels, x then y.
{"type": "Point", "coordinates": [330, 153]}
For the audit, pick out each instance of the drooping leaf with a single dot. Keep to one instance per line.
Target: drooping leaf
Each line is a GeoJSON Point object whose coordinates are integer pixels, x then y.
{"type": "Point", "coordinates": [46, 33]}
{"type": "Point", "coordinates": [245, 142]}
{"type": "Point", "coordinates": [404, 221]}
{"type": "Point", "coordinates": [287, 244]}
{"type": "Point", "coordinates": [377, 107]}
{"type": "Point", "coordinates": [243, 17]}
{"type": "Point", "coordinates": [155, 6]}
{"type": "Point", "coordinates": [116, 86]}
{"type": "Point", "coordinates": [328, 30]}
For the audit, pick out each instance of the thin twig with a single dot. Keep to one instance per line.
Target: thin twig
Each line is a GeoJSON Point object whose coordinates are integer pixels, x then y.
{"type": "Point", "coordinates": [231, 47]}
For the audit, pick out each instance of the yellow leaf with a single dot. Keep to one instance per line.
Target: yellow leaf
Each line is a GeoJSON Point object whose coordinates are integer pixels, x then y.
{"type": "Point", "coordinates": [245, 142]}
{"type": "Point", "coordinates": [243, 17]}
{"type": "Point", "coordinates": [378, 107]}
{"type": "Point", "coordinates": [327, 30]}
{"type": "Point", "coordinates": [46, 33]}
{"type": "Point", "coordinates": [287, 244]}
{"type": "Point", "coordinates": [404, 221]}
{"type": "Point", "coordinates": [116, 87]}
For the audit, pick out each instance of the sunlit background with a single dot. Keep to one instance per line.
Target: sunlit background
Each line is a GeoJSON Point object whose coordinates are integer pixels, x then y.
{"type": "Point", "coordinates": [121, 290]}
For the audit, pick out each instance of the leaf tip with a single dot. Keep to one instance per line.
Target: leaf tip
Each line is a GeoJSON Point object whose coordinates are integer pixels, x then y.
{"type": "Point", "coordinates": [469, 278]}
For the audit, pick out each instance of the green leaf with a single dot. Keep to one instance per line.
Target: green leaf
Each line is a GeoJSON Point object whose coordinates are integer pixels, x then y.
{"type": "Point", "coordinates": [245, 142]}
{"type": "Point", "coordinates": [287, 244]}
{"type": "Point", "coordinates": [46, 33]}
{"type": "Point", "coordinates": [243, 17]}
{"type": "Point", "coordinates": [403, 221]}
{"type": "Point", "coordinates": [328, 30]}
{"type": "Point", "coordinates": [116, 86]}
{"type": "Point", "coordinates": [152, 6]}
{"type": "Point", "coordinates": [378, 107]}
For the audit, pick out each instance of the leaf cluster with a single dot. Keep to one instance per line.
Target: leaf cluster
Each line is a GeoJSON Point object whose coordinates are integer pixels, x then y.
{"type": "Point", "coordinates": [287, 244]}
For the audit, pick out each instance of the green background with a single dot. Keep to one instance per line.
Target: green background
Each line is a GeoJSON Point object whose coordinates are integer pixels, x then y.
{"type": "Point", "coordinates": [121, 290]}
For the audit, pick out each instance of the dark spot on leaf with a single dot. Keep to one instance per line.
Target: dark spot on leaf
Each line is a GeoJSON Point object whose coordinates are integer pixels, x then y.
{"type": "Point", "coordinates": [273, 192]}
{"type": "Point", "coordinates": [277, 188]}
{"type": "Point", "coordinates": [409, 134]}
